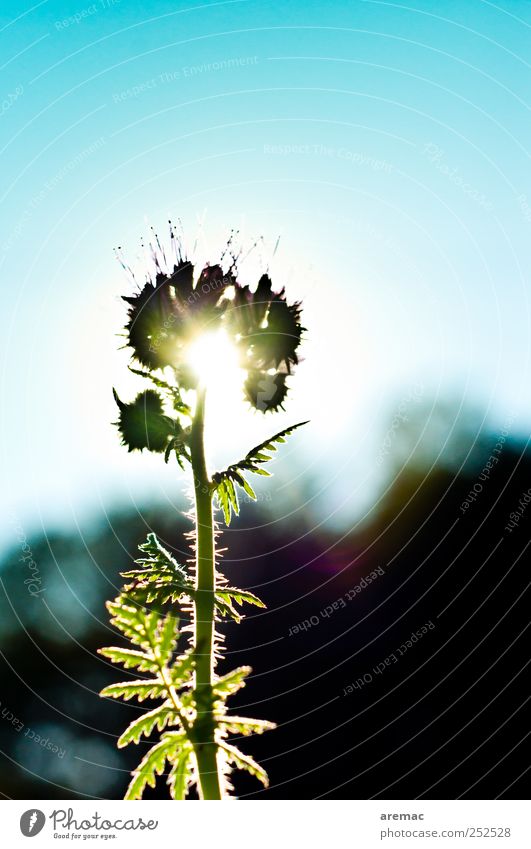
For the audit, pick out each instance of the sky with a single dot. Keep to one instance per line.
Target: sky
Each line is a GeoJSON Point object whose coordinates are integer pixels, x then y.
{"type": "Point", "coordinates": [386, 145]}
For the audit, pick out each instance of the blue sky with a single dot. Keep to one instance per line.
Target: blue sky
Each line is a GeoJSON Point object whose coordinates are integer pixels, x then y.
{"type": "Point", "coordinates": [386, 144]}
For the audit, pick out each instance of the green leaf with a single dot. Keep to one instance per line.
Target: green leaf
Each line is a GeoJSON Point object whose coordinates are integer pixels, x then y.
{"type": "Point", "coordinates": [233, 498]}
{"type": "Point", "coordinates": [223, 501]}
{"type": "Point", "coordinates": [152, 765]}
{"type": "Point", "coordinates": [144, 725]}
{"type": "Point", "coordinates": [179, 447]}
{"type": "Point", "coordinates": [258, 454]}
{"type": "Point", "coordinates": [137, 624]}
{"type": "Point", "coordinates": [231, 682]}
{"type": "Point", "coordinates": [159, 591]}
{"type": "Point", "coordinates": [166, 638]}
{"type": "Point", "coordinates": [246, 486]}
{"type": "Point", "coordinates": [178, 404]}
{"type": "Point", "coordinates": [181, 671]}
{"type": "Point", "coordinates": [246, 762]}
{"type": "Point", "coordinates": [245, 726]}
{"type": "Point", "coordinates": [130, 658]}
{"type": "Point", "coordinates": [155, 640]}
{"type": "Point", "coordinates": [159, 556]}
{"type": "Point", "coordinates": [160, 578]}
{"type": "Point", "coordinates": [225, 597]}
{"type": "Point", "coordinates": [181, 773]}
{"type": "Point", "coordinates": [239, 596]}
{"type": "Point", "coordinates": [140, 689]}
{"type": "Point", "coordinates": [223, 482]}
{"type": "Point", "coordinates": [225, 609]}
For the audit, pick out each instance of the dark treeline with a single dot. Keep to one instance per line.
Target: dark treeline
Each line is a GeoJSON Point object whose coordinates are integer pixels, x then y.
{"type": "Point", "coordinates": [393, 660]}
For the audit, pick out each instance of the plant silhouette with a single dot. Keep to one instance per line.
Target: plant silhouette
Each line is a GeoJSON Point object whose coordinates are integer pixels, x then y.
{"type": "Point", "coordinates": [170, 312]}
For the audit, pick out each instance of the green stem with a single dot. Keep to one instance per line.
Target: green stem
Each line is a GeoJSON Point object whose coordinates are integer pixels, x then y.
{"type": "Point", "coordinates": [205, 746]}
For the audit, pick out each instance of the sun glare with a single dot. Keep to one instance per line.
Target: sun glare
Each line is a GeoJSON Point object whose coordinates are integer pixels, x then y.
{"type": "Point", "coordinates": [214, 359]}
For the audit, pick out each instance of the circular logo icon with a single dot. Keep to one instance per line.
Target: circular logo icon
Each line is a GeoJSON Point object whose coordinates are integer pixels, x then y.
{"type": "Point", "coordinates": [31, 822]}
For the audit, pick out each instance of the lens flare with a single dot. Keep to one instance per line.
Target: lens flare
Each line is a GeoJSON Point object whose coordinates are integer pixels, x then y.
{"type": "Point", "coordinates": [214, 359]}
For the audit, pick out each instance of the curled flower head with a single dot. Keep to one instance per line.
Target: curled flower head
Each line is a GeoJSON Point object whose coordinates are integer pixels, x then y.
{"type": "Point", "coordinates": [143, 424]}
{"type": "Point", "coordinates": [268, 333]}
{"type": "Point", "coordinates": [269, 327]}
{"type": "Point", "coordinates": [165, 316]}
{"type": "Point", "coordinates": [265, 391]}
{"type": "Point", "coordinates": [176, 306]}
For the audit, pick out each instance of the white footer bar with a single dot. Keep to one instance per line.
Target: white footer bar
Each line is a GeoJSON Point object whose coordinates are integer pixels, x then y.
{"type": "Point", "coordinates": [262, 825]}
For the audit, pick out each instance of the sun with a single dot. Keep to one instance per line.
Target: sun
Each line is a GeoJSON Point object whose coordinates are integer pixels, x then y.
{"type": "Point", "coordinates": [214, 359]}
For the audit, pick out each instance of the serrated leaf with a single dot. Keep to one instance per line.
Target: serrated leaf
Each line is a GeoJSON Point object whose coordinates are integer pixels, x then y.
{"type": "Point", "coordinates": [155, 637]}
{"type": "Point", "coordinates": [233, 498]}
{"type": "Point", "coordinates": [144, 725]}
{"type": "Point", "coordinates": [240, 596]}
{"type": "Point", "coordinates": [248, 488]}
{"type": "Point", "coordinates": [157, 381]}
{"type": "Point", "coordinates": [252, 462]}
{"type": "Point", "coordinates": [225, 609]}
{"type": "Point", "coordinates": [152, 765]}
{"type": "Point", "coordinates": [160, 578]}
{"type": "Point", "coordinates": [157, 554]}
{"type": "Point", "coordinates": [140, 689]}
{"type": "Point", "coordinates": [231, 682]}
{"type": "Point", "coordinates": [138, 624]}
{"type": "Point", "coordinates": [127, 619]}
{"type": "Point", "coordinates": [223, 500]}
{"type": "Point", "coordinates": [159, 590]}
{"type": "Point", "coordinates": [181, 773]}
{"type": "Point", "coordinates": [182, 669]}
{"type": "Point", "coordinates": [166, 638]}
{"type": "Point", "coordinates": [130, 658]}
{"type": "Point", "coordinates": [178, 404]}
{"type": "Point", "coordinates": [246, 762]}
{"type": "Point", "coordinates": [226, 596]}
{"type": "Point", "coordinates": [245, 726]}
{"type": "Point", "coordinates": [258, 454]}
{"type": "Point", "coordinates": [179, 447]}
